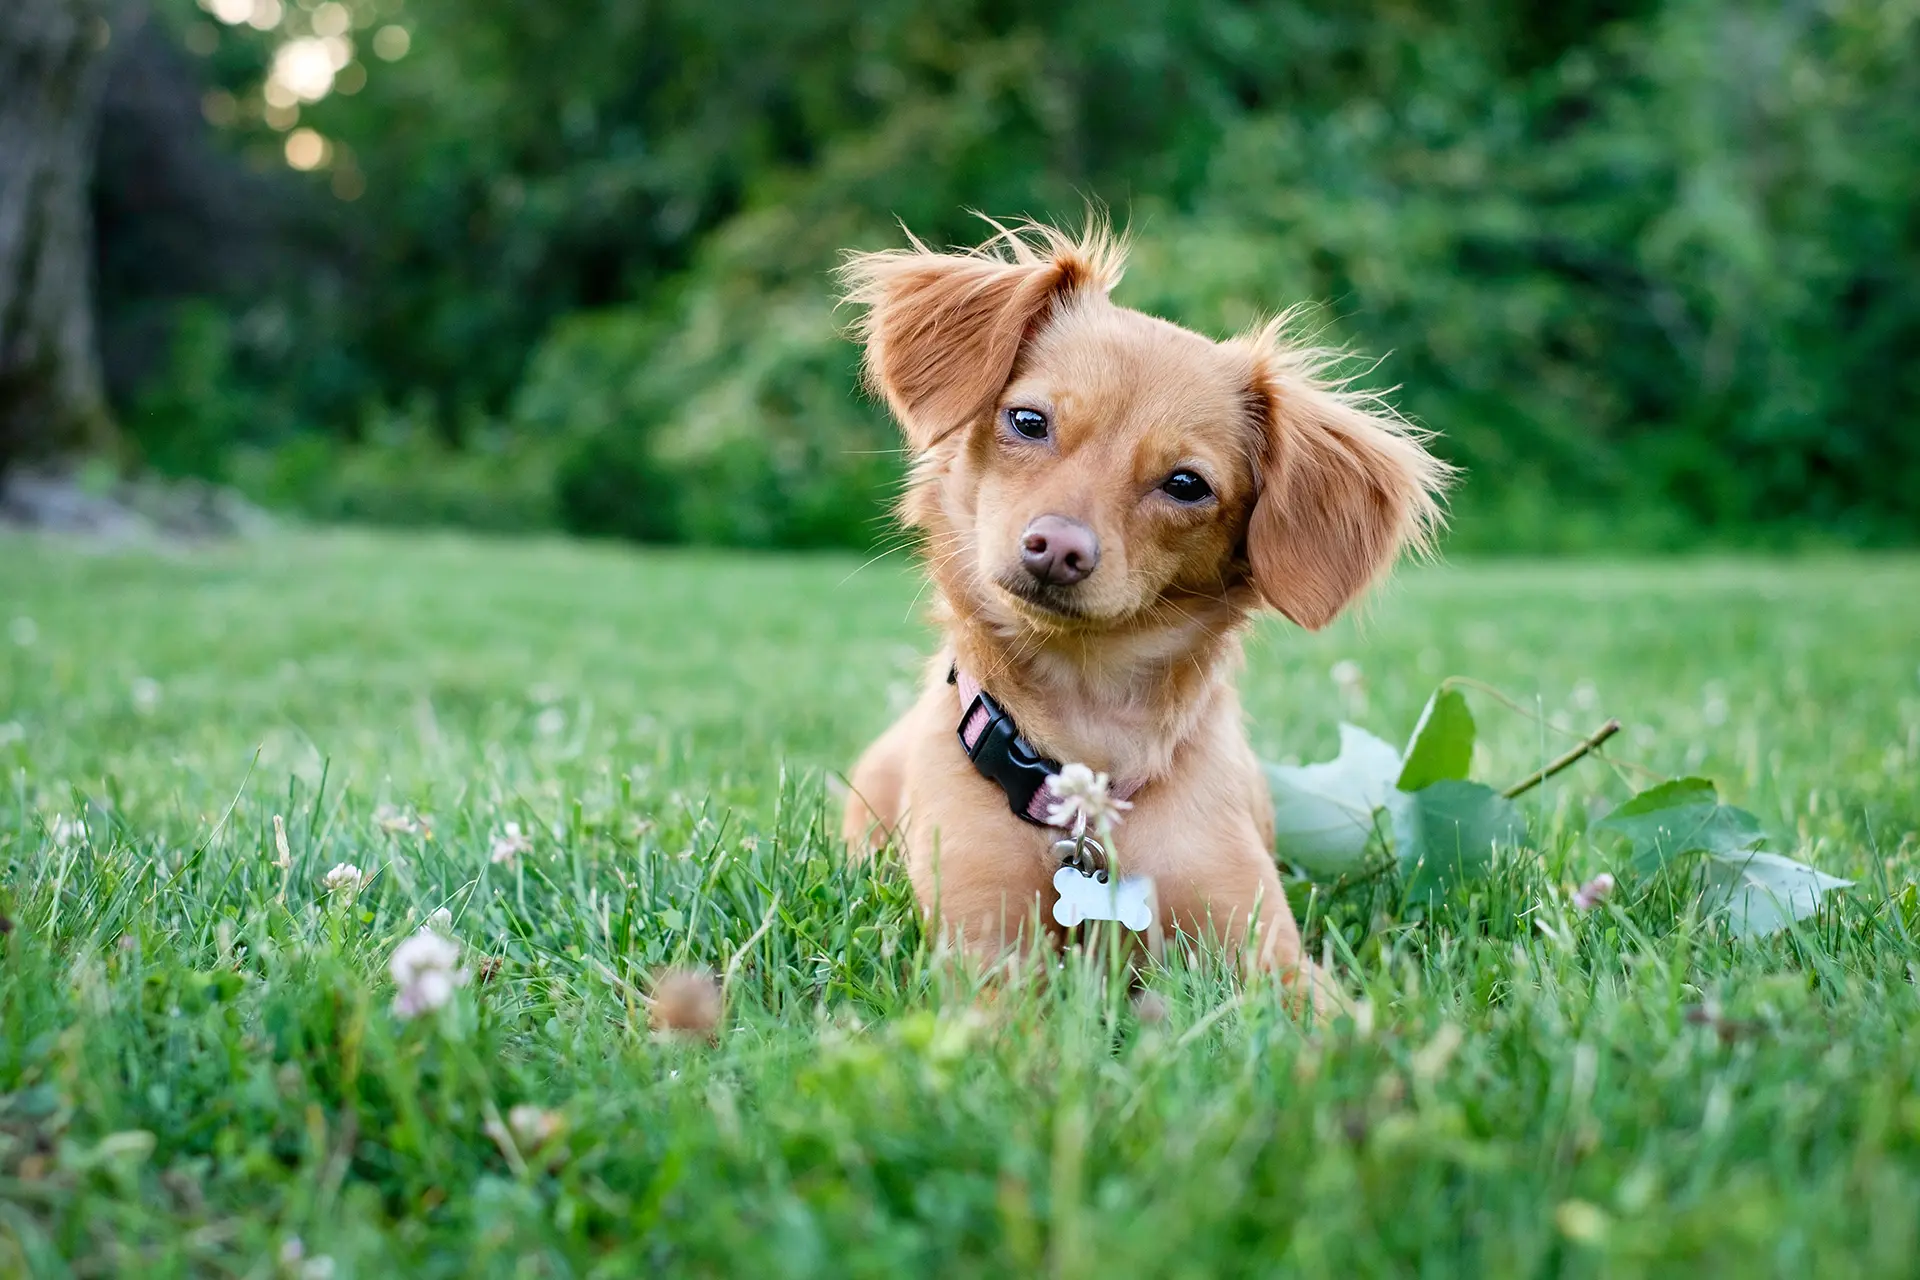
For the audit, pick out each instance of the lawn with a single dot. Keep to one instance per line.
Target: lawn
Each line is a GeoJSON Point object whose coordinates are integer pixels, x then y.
{"type": "Point", "coordinates": [201, 1071]}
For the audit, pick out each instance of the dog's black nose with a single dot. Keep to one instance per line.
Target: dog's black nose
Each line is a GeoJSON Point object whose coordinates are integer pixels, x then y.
{"type": "Point", "coordinates": [1059, 551]}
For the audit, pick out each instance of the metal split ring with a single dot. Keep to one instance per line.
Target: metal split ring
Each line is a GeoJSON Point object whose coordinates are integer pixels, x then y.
{"type": "Point", "coordinates": [1084, 855]}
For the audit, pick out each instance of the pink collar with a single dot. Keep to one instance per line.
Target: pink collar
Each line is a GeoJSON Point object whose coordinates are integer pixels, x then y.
{"type": "Point", "coordinates": [993, 742]}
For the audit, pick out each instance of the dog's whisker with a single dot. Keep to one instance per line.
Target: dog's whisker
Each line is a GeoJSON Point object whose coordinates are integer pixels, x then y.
{"type": "Point", "coordinates": [876, 558]}
{"type": "Point", "coordinates": [1206, 630]}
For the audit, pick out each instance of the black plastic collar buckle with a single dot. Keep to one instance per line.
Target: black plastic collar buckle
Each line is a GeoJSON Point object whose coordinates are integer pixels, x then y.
{"type": "Point", "coordinates": [1006, 758]}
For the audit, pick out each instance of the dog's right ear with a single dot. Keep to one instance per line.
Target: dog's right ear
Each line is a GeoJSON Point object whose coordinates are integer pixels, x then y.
{"type": "Point", "coordinates": [1346, 484]}
{"type": "Point", "coordinates": [942, 330]}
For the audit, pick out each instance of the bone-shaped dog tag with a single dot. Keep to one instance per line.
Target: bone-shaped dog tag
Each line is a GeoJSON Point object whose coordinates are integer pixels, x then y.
{"type": "Point", "coordinates": [1130, 901]}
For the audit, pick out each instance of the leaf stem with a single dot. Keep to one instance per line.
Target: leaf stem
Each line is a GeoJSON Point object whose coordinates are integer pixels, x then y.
{"type": "Point", "coordinates": [1587, 745]}
{"type": "Point", "coordinates": [1354, 879]}
{"type": "Point", "coordinates": [1468, 682]}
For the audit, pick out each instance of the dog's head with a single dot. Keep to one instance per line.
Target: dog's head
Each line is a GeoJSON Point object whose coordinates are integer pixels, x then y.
{"type": "Point", "coordinates": [1078, 465]}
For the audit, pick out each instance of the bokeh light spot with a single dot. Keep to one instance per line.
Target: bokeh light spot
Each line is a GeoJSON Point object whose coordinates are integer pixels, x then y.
{"type": "Point", "coordinates": [306, 150]}
{"type": "Point", "coordinates": [391, 43]}
{"type": "Point", "coordinates": [332, 19]}
{"type": "Point", "coordinates": [304, 68]}
{"type": "Point", "coordinates": [219, 109]}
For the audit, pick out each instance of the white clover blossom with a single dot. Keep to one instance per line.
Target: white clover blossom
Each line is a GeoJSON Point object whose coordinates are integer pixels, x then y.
{"type": "Point", "coordinates": [511, 843]}
{"type": "Point", "coordinates": [295, 1262]}
{"type": "Point", "coordinates": [441, 921]}
{"type": "Point", "coordinates": [68, 832]}
{"type": "Point", "coordinates": [533, 1127]}
{"type": "Point", "coordinates": [345, 878]}
{"type": "Point", "coordinates": [1083, 798]}
{"type": "Point", "coordinates": [530, 1132]}
{"type": "Point", "coordinates": [423, 969]}
{"type": "Point", "coordinates": [1346, 673]}
{"type": "Point", "coordinates": [145, 692]}
{"type": "Point", "coordinates": [405, 822]}
{"type": "Point", "coordinates": [1593, 892]}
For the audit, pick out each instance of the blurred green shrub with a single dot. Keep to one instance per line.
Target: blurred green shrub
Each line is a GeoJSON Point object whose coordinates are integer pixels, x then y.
{"type": "Point", "coordinates": [696, 432]}
{"type": "Point", "coordinates": [402, 475]}
{"type": "Point", "coordinates": [189, 416]}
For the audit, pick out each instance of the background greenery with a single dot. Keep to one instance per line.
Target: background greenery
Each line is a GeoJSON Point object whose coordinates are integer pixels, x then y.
{"type": "Point", "coordinates": [199, 1066]}
{"type": "Point", "coordinates": [1653, 268]}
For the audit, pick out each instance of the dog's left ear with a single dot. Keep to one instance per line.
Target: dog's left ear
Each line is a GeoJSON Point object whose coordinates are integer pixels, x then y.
{"type": "Point", "coordinates": [1346, 485]}
{"type": "Point", "coordinates": [943, 330]}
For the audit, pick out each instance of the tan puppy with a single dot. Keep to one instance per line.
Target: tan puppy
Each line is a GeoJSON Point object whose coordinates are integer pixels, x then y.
{"type": "Point", "coordinates": [1105, 499]}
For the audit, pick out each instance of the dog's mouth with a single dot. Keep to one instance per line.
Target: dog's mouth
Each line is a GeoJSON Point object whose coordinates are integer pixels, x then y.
{"type": "Point", "coordinates": [1051, 603]}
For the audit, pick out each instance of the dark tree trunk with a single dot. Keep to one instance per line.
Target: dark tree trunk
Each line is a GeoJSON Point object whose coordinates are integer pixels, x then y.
{"type": "Point", "coordinates": [52, 70]}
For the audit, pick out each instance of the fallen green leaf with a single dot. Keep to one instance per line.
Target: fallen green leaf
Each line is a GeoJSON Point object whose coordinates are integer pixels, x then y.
{"type": "Point", "coordinates": [1448, 832]}
{"type": "Point", "coordinates": [1681, 817]}
{"type": "Point", "coordinates": [1441, 748]}
{"type": "Point", "coordinates": [1323, 814]}
{"type": "Point", "coordinates": [1762, 893]}
{"type": "Point", "coordinates": [1759, 893]}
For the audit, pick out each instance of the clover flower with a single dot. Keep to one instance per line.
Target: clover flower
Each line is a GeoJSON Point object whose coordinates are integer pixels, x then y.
{"type": "Point", "coordinates": [405, 822]}
{"type": "Point", "coordinates": [530, 1133]}
{"type": "Point", "coordinates": [423, 967]}
{"type": "Point", "coordinates": [510, 844]}
{"type": "Point", "coordinates": [145, 692]}
{"type": "Point", "coordinates": [344, 878]}
{"type": "Point", "coordinates": [1593, 892]}
{"type": "Point", "coordinates": [1083, 798]}
{"type": "Point", "coordinates": [534, 1127]}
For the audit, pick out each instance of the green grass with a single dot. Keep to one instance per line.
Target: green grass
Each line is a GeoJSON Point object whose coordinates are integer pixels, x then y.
{"type": "Point", "coordinates": [198, 1061]}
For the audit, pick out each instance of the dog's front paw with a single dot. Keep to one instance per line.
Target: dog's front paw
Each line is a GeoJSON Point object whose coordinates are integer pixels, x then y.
{"type": "Point", "coordinates": [1317, 994]}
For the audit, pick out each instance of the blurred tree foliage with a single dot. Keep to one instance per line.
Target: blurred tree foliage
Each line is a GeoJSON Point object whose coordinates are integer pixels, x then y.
{"type": "Point", "coordinates": [1651, 268]}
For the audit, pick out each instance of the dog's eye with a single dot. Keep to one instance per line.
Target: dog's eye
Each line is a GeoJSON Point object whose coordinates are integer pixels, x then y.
{"type": "Point", "coordinates": [1029, 424]}
{"type": "Point", "coordinates": [1185, 486]}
